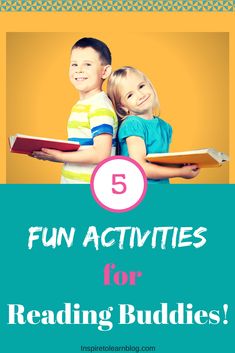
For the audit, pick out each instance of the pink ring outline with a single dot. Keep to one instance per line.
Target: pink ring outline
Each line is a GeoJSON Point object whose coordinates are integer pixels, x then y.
{"type": "Point", "coordinates": [104, 162]}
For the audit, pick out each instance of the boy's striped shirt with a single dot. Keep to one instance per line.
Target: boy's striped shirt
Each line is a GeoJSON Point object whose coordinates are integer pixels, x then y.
{"type": "Point", "coordinates": [88, 119]}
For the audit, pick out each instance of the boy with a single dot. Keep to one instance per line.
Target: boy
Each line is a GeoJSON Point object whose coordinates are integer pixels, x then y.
{"type": "Point", "coordinates": [93, 122]}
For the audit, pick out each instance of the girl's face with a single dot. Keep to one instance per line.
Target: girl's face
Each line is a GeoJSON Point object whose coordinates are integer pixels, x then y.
{"type": "Point", "coordinates": [137, 96]}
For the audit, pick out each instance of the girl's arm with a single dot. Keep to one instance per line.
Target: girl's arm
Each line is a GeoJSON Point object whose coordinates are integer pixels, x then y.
{"type": "Point", "coordinates": [93, 155]}
{"type": "Point", "coordinates": [137, 151]}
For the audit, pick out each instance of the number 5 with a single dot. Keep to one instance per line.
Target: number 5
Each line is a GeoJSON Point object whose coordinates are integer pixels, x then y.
{"type": "Point", "coordinates": [121, 183]}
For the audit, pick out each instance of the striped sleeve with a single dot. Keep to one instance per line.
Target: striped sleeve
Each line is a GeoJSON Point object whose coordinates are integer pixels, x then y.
{"type": "Point", "coordinates": [102, 121]}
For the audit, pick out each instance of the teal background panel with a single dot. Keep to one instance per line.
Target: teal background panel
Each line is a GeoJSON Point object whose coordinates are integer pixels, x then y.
{"type": "Point", "coordinates": [45, 278]}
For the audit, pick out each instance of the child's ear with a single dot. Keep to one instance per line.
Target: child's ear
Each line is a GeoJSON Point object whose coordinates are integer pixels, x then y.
{"type": "Point", "coordinates": [107, 71]}
{"type": "Point", "coordinates": [124, 110]}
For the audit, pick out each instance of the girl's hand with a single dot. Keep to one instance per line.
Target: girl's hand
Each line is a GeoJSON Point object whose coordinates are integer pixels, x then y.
{"type": "Point", "coordinates": [189, 171]}
{"type": "Point", "coordinates": [47, 154]}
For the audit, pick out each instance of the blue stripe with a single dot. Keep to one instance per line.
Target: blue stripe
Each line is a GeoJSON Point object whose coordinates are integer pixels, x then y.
{"type": "Point", "coordinates": [89, 142]}
{"type": "Point", "coordinates": [102, 129]}
{"type": "Point", "coordinates": [82, 141]}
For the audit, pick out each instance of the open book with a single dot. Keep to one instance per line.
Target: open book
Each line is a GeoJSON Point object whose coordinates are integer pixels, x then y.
{"type": "Point", "coordinates": [204, 158]}
{"type": "Point", "coordinates": [27, 144]}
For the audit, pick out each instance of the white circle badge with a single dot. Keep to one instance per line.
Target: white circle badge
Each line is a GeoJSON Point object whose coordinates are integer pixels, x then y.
{"type": "Point", "coordinates": [118, 184]}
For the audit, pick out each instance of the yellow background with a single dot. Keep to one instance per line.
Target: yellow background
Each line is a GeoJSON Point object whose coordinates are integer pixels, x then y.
{"type": "Point", "coordinates": [186, 55]}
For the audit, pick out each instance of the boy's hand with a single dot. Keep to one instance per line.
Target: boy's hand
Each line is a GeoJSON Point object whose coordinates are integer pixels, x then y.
{"type": "Point", "coordinates": [189, 171]}
{"type": "Point", "coordinates": [47, 154]}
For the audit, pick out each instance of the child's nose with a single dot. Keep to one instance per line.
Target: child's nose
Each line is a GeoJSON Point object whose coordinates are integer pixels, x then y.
{"type": "Point", "coordinates": [141, 95]}
{"type": "Point", "coordinates": [79, 69]}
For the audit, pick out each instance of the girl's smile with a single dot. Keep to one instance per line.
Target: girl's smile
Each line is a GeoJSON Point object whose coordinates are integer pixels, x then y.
{"type": "Point", "coordinates": [142, 101]}
{"type": "Point", "coordinates": [137, 96]}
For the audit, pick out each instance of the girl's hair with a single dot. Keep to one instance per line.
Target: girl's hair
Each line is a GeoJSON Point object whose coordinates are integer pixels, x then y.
{"type": "Point", "coordinates": [114, 91]}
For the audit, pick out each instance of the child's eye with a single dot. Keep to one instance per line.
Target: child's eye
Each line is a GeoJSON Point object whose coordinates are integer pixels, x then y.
{"type": "Point", "coordinates": [73, 65]}
{"type": "Point", "coordinates": [129, 95]}
{"type": "Point", "coordinates": [88, 64]}
{"type": "Point", "coordinates": [142, 85]}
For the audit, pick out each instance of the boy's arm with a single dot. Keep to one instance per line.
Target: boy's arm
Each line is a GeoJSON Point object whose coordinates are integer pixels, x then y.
{"type": "Point", "coordinates": [137, 151]}
{"type": "Point", "coordinates": [100, 150]}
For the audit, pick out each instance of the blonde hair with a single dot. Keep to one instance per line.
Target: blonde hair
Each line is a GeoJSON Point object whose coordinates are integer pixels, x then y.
{"type": "Point", "coordinates": [114, 92]}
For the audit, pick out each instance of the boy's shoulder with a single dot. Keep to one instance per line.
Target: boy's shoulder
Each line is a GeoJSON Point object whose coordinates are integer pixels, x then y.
{"type": "Point", "coordinates": [100, 98]}
{"type": "Point", "coordinates": [101, 101]}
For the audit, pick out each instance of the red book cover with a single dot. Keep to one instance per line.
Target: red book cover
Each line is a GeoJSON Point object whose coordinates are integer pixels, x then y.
{"type": "Point", "coordinates": [28, 144]}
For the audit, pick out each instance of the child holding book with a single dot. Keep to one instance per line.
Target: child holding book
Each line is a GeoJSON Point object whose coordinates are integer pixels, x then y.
{"type": "Point", "coordinates": [140, 132]}
{"type": "Point", "coordinates": [93, 122]}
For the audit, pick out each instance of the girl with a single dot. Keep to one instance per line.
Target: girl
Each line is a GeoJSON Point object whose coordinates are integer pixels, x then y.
{"type": "Point", "coordinates": [140, 132]}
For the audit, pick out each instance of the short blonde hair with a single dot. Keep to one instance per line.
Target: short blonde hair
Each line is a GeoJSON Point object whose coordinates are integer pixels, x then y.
{"type": "Point", "coordinates": [114, 92]}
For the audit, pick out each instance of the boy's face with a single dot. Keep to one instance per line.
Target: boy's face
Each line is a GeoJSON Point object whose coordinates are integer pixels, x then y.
{"type": "Point", "coordinates": [86, 71]}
